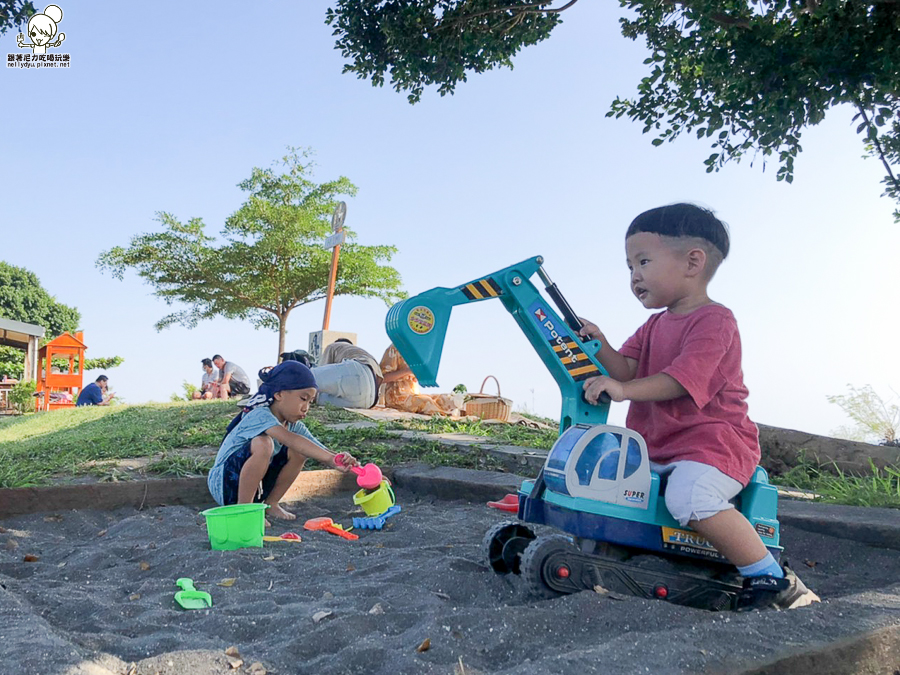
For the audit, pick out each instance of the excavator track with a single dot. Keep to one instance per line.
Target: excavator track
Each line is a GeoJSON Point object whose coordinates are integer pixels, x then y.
{"type": "Point", "coordinates": [552, 565]}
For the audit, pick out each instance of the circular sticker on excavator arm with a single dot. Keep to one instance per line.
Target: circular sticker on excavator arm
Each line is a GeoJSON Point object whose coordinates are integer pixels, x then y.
{"type": "Point", "coordinates": [420, 320]}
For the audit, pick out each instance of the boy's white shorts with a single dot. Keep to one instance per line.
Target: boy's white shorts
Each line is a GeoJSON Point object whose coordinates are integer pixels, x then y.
{"type": "Point", "coordinates": [696, 491]}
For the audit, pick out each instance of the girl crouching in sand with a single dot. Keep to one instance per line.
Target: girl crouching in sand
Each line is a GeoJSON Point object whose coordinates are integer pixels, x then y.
{"type": "Point", "coordinates": [263, 453]}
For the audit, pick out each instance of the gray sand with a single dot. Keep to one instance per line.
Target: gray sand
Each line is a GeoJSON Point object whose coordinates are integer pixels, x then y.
{"type": "Point", "coordinates": [88, 606]}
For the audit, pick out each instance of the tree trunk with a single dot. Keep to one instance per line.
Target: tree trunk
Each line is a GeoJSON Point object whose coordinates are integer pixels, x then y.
{"type": "Point", "coordinates": [282, 331]}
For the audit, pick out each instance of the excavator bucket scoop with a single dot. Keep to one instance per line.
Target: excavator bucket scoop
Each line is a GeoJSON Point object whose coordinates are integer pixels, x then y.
{"type": "Point", "coordinates": [417, 327]}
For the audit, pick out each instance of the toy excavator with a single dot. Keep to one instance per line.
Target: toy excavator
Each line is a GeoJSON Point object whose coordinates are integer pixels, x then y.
{"type": "Point", "coordinates": [596, 484]}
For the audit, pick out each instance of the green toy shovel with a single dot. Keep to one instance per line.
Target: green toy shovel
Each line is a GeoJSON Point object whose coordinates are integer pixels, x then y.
{"type": "Point", "coordinates": [189, 597]}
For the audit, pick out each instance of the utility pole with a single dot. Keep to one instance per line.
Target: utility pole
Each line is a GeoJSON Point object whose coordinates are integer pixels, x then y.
{"type": "Point", "coordinates": [334, 243]}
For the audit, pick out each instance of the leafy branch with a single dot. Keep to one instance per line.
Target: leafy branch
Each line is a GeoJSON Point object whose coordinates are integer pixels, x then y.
{"type": "Point", "coordinates": [748, 76]}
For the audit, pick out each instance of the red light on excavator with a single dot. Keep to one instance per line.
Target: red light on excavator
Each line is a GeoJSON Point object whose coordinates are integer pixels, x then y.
{"type": "Point", "coordinates": [562, 572]}
{"type": "Point", "coordinates": [661, 592]}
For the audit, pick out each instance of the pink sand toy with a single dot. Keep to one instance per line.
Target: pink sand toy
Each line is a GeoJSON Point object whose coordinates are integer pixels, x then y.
{"type": "Point", "coordinates": [368, 477]}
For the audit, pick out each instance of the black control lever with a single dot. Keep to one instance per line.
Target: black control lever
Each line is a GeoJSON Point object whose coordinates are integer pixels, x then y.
{"type": "Point", "coordinates": [553, 291]}
{"type": "Point", "coordinates": [572, 321]}
{"type": "Point", "coordinates": [603, 398]}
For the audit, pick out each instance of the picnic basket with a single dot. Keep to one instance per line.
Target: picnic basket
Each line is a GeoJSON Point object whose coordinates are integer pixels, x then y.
{"type": "Point", "coordinates": [488, 406]}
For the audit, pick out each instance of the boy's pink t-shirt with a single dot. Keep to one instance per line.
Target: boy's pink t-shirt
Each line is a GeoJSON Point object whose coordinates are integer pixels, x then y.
{"type": "Point", "coordinates": [702, 351]}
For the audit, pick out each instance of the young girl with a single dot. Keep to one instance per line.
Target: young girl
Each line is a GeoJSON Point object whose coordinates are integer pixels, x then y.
{"type": "Point", "coordinates": [263, 453]}
{"type": "Point", "coordinates": [682, 372]}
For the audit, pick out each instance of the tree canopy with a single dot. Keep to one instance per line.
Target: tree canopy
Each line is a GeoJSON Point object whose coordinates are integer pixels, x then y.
{"type": "Point", "coordinates": [23, 298]}
{"type": "Point", "coordinates": [747, 76]}
{"type": "Point", "coordinates": [271, 259]}
{"type": "Point", "coordinates": [15, 14]}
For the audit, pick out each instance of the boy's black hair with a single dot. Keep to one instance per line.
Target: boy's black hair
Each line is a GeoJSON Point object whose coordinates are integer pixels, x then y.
{"type": "Point", "coordinates": [102, 378]}
{"type": "Point", "coordinates": [217, 356]}
{"type": "Point", "coordinates": [207, 362]}
{"type": "Point", "coordinates": [349, 342]}
{"type": "Point", "coordinates": [683, 220]}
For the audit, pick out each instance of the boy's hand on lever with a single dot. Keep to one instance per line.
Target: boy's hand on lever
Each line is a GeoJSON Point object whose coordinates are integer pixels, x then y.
{"type": "Point", "coordinates": [595, 387]}
{"type": "Point", "coordinates": [590, 330]}
{"type": "Point", "coordinates": [343, 461]}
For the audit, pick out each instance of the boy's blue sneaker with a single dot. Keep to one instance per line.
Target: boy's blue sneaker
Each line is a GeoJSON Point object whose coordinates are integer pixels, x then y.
{"type": "Point", "coordinates": [768, 592]}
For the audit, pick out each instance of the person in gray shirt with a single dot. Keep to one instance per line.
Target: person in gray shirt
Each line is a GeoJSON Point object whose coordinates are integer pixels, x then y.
{"type": "Point", "coordinates": [233, 381]}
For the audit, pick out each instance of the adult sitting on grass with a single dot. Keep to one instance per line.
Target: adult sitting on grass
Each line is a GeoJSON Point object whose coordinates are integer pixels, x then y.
{"type": "Point", "coordinates": [95, 393]}
{"type": "Point", "coordinates": [265, 451]}
{"type": "Point", "coordinates": [209, 387]}
{"type": "Point", "coordinates": [233, 381]}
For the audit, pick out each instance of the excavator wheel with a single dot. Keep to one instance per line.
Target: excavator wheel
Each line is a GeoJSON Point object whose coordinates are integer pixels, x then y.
{"type": "Point", "coordinates": [544, 561]}
{"type": "Point", "coordinates": [503, 545]}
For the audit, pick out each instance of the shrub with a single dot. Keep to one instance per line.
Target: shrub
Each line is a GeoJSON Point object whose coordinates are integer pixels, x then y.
{"type": "Point", "coordinates": [21, 396]}
{"type": "Point", "coordinates": [189, 390]}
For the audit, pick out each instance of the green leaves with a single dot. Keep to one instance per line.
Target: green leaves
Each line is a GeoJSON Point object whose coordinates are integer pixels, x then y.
{"type": "Point", "coordinates": [103, 362]}
{"type": "Point", "coordinates": [23, 298]}
{"type": "Point", "coordinates": [269, 259]}
{"type": "Point", "coordinates": [15, 14]}
{"type": "Point", "coordinates": [417, 43]}
{"type": "Point", "coordinates": [765, 72]}
{"type": "Point", "coordinates": [759, 73]}
{"type": "Point", "coordinates": [874, 417]}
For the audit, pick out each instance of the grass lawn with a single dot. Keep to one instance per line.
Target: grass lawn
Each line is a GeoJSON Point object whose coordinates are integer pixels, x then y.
{"type": "Point", "coordinates": [181, 438]}
{"type": "Point", "coordinates": [881, 488]}
{"type": "Point", "coordinates": [49, 447]}
{"type": "Point", "coordinates": [37, 447]}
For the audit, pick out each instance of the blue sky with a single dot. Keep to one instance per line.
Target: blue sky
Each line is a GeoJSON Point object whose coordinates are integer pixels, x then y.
{"type": "Point", "coordinates": [166, 107]}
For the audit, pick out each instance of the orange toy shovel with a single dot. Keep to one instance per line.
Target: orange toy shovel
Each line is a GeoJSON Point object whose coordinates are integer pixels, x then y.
{"type": "Point", "coordinates": [327, 524]}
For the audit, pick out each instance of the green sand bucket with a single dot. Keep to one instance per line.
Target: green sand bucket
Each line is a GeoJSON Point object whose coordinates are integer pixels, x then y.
{"type": "Point", "coordinates": [236, 526]}
{"type": "Point", "coordinates": [377, 501]}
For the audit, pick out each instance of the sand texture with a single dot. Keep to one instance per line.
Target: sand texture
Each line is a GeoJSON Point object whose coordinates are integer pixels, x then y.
{"type": "Point", "coordinates": [99, 599]}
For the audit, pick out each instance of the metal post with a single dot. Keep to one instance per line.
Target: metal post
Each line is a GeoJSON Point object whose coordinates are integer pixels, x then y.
{"type": "Point", "coordinates": [337, 225]}
{"type": "Point", "coordinates": [336, 251]}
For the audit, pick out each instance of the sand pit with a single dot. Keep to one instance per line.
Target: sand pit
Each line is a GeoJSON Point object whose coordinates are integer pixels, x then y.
{"type": "Point", "coordinates": [99, 598]}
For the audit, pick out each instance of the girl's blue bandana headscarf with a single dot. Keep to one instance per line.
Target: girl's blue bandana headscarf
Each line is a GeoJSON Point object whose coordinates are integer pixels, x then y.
{"type": "Point", "coordinates": [287, 375]}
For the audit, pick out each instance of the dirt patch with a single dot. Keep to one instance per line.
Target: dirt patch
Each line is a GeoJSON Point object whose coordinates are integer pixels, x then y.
{"type": "Point", "coordinates": [178, 462]}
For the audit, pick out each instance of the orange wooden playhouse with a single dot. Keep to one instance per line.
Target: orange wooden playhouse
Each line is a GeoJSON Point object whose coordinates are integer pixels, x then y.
{"type": "Point", "coordinates": [60, 390]}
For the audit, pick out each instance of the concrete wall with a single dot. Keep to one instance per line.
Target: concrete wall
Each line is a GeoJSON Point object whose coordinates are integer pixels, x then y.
{"type": "Point", "coordinates": [783, 448]}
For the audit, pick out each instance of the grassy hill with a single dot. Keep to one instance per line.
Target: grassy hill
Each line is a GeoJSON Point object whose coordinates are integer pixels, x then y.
{"type": "Point", "coordinates": [177, 439]}
{"type": "Point", "coordinates": [126, 442]}
{"type": "Point", "coordinates": [38, 447]}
